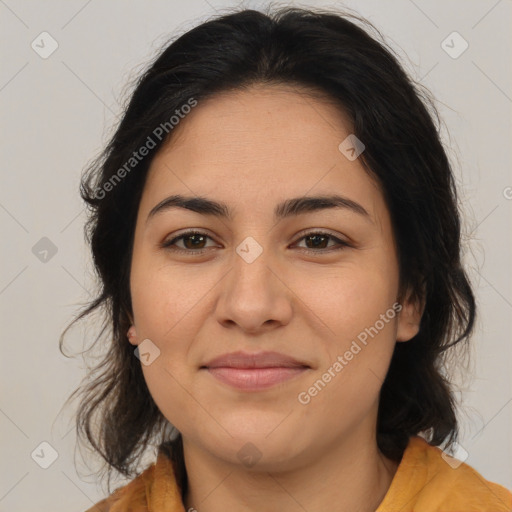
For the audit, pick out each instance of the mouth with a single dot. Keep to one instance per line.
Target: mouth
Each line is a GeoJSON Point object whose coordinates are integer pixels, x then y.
{"type": "Point", "coordinates": [255, 372]}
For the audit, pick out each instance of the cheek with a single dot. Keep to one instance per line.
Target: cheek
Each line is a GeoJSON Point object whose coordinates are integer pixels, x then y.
{"type": "Point", "coordinates": [167, 305]}
{"type": "Point", "coordinates": [358, 309]}
{"type": "Point", "coordinates": [163, 297]}
{"type": "Point", "coordinates": [349, 298]}
{"type": "Point", "coordinates": [169, 389]}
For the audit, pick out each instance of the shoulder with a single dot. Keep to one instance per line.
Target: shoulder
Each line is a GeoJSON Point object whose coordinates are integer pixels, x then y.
{"type": "Point", "coordinates": [428, 480]}
{"type": "Point", "coordinates": [460, 482]}
{"type": "Point", "coordinates": [157, 484]}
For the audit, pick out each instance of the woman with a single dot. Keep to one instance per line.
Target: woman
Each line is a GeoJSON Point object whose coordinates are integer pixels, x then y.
{"type": "Point", "coordinates": [276, 230]}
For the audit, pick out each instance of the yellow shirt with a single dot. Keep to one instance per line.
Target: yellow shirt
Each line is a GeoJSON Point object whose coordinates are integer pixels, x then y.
{"type": "Point", "coordinates": [423, 482]}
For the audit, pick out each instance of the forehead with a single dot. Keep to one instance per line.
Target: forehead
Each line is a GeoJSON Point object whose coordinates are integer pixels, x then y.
{"type": "Point", "coordinates": [257, 145]}
{"type": "Point", "coordinates": [242, 123]}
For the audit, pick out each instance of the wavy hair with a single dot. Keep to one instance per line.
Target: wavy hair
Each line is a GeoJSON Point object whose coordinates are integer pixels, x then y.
{"type": "Point", "coordinates": [340, 56]}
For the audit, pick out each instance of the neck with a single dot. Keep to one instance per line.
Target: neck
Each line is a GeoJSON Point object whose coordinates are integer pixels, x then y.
{"type": "Point", "coordinates": [353, 475]}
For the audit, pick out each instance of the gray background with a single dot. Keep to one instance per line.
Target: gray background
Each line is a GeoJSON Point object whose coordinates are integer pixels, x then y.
{"type": "Point", "coordinates": [57, 114]}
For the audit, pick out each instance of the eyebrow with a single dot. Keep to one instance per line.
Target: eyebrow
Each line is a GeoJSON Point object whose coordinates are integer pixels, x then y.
{"type": "Point", "coordinates": [287, 208]}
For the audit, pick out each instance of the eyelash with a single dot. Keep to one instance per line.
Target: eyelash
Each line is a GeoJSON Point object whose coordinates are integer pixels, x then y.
{"type": "Point", "coordinates": [168, 244]}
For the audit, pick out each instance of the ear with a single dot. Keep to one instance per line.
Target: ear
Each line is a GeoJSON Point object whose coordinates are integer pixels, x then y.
{"type": "Point", "coordinates": [132, 335]}
{"type": "Point", "coordinates": [409, 317]}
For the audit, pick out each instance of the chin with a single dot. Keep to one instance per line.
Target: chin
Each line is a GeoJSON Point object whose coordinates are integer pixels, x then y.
{"type": "Point", "coordinates": [258, 448]}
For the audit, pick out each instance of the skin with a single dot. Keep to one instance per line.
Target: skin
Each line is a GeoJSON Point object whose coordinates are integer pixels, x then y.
{"type": "Point", "coordinates": [253, 149]}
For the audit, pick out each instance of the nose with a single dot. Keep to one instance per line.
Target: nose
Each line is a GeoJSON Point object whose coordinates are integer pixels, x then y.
{"type": "Point", "coordinates": [254, 295]}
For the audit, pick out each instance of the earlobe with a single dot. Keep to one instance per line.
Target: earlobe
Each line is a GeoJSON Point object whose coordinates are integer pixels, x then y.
{"type": "Point", "coordinates": [409, 319]}
{"type": "Point", "coordinates": [132, 335]}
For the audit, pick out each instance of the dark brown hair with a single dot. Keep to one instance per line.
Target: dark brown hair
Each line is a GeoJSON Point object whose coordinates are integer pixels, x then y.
{"type": "Point", "coordinates": [325, 51]}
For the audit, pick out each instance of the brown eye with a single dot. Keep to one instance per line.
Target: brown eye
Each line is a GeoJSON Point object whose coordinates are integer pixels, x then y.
{"type": "Point", "coordinates": [317, 242]}
{"type": "Point", "coordinates": [193, 241]}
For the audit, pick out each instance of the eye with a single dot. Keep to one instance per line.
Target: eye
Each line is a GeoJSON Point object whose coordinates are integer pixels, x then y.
{"type": "Point", "coordinates": [194, 242]}
{"type": "Point", "coordinates": [318, 240]}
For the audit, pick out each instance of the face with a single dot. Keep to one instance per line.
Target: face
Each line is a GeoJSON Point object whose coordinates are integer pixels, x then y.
{"type": "Point", "coordinates": [318, 285]}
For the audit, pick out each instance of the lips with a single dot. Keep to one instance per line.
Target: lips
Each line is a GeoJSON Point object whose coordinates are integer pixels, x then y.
{"type": "Point", "coordinates": [256, 371]}
{"type": "Point", "coordinates": [255, 360]}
